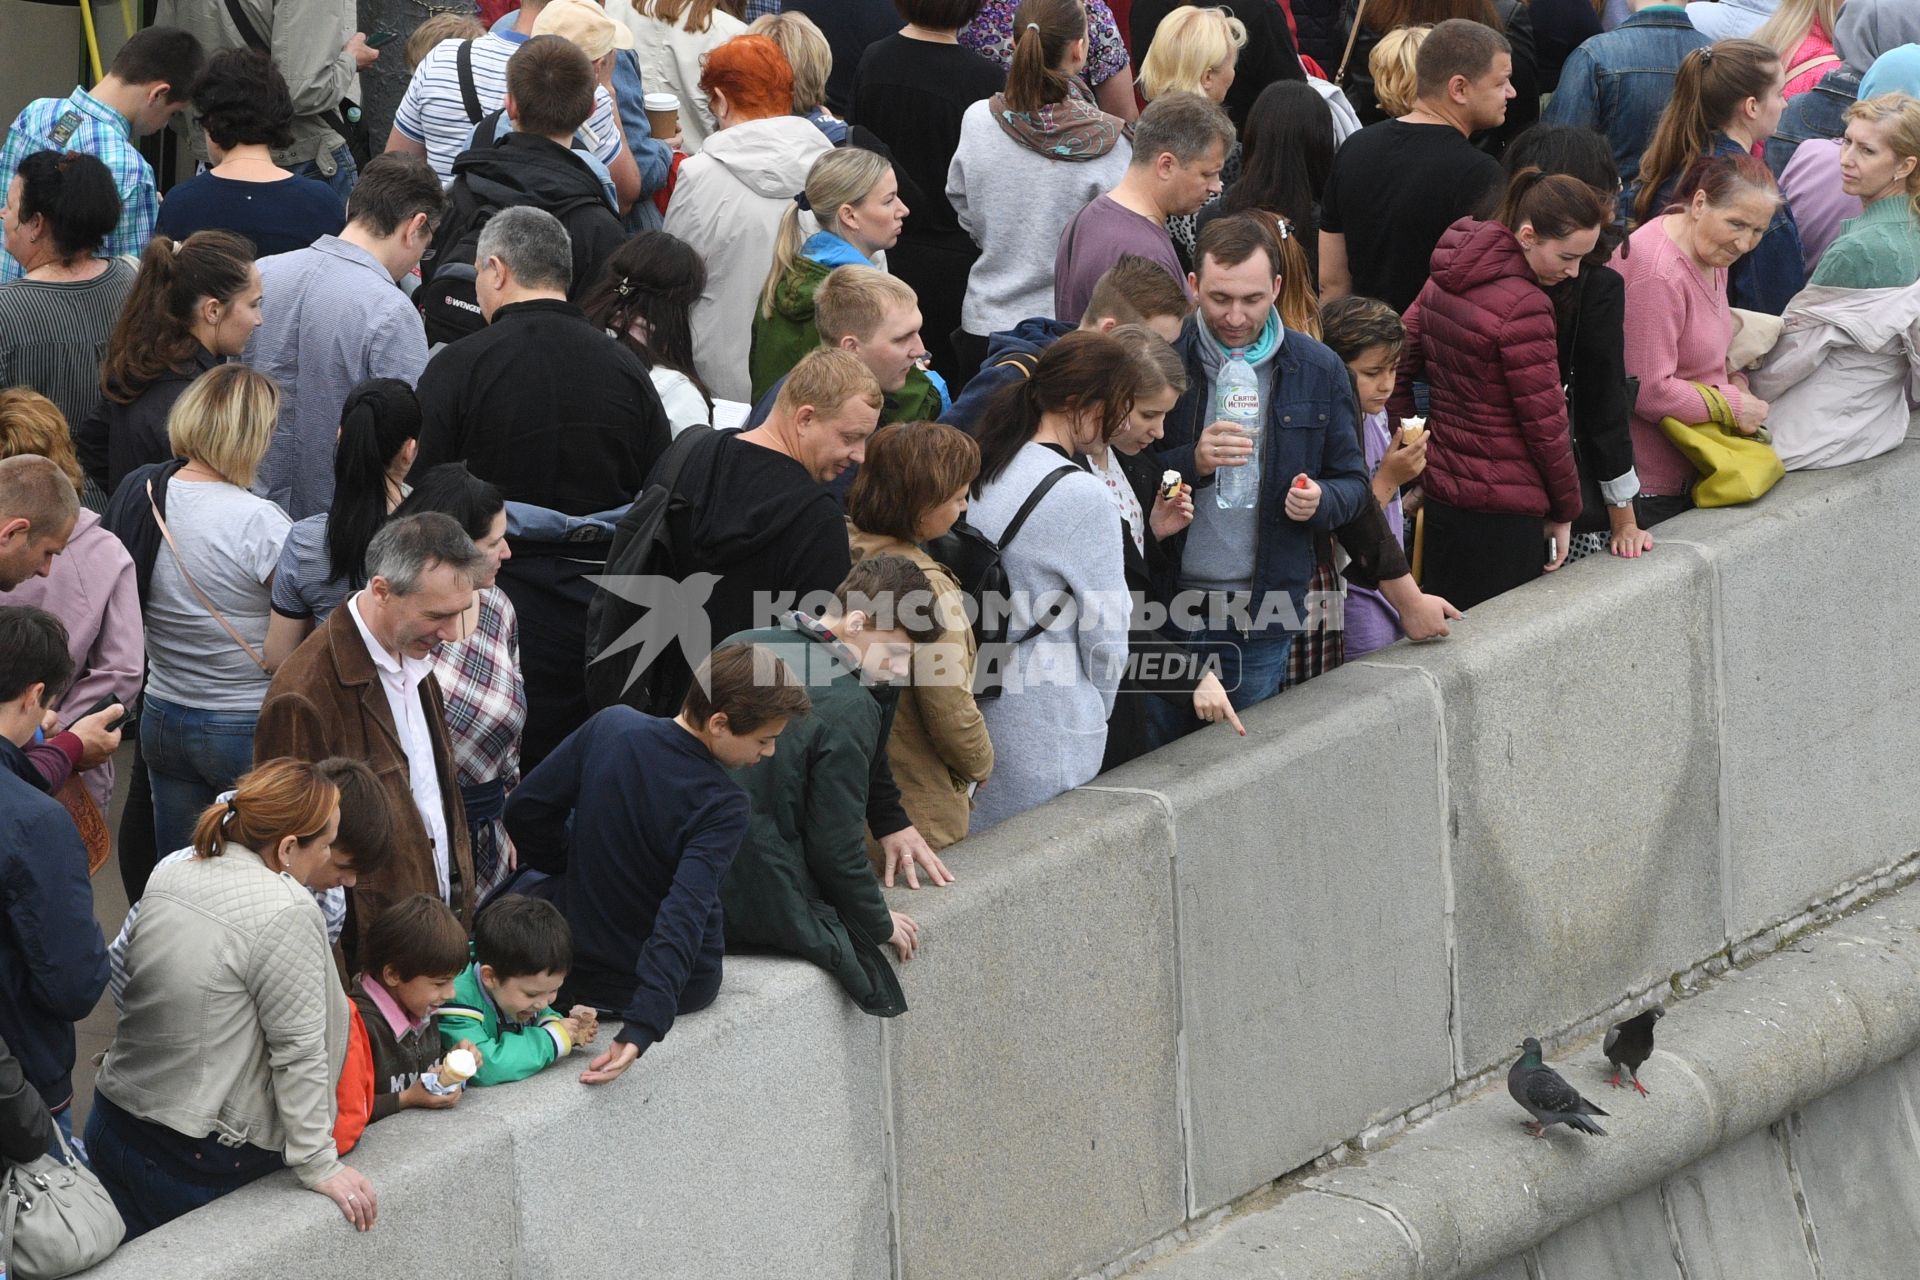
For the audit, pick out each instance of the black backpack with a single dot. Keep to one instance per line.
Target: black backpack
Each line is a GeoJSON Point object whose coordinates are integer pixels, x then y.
{"type": "Point", "coordinates": [650, 539]}
{"type": "Point", "coordinates": [975, 560]}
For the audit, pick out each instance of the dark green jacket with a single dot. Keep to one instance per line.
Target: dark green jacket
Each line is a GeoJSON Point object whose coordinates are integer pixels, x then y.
{"type": "Point", "coordinates": [801, 882]}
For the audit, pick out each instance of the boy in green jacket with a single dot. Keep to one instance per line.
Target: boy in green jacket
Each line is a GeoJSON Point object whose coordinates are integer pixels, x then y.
{"type": "Point", "coordinates": [801, 882]}
{"type": "Point", "coordinates": [522, 950]}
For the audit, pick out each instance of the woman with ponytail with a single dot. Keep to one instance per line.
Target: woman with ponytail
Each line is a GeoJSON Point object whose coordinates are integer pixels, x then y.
{"type": "Point", "coordinates": [195, 303]}
{"type": "Point", "coordinates": [644, 299]}
{"type": "Point", "coordinates": [853, 196]}
{"type": "Point", "coordinates": [324, 559]}
{"type": "Point", "coordinates": [1028, 160]}
{"type": "Point", "coordinates": [1501, 487]}
{"type": "Point", "coordinates": [1726, 100]}
{"type": "Point", "coordinates": [233, 1024]}
{"type": "Point", "coordinates": [1049, 727]}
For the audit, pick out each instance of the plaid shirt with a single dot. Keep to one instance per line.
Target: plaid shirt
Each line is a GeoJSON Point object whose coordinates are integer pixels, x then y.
{"type": "Point", "coordinates": [81, 122]}
{"type": "Point", "coordinates": [486, 712]}
{"type": "Point", "coordinates": [760, 9]}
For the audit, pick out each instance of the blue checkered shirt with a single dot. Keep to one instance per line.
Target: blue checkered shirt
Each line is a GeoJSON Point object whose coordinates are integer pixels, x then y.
{"type": "Point", "coordinates": [81, 122]}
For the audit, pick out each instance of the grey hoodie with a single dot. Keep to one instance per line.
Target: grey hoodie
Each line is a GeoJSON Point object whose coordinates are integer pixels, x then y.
{"type": "Point", "coordinates": [1868, 28]}
{"type": "Point", "coordinates": [727, 204]}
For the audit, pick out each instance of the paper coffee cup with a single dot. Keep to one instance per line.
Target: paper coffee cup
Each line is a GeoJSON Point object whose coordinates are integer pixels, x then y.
{"type": "Point", "coordinates": [663, 113]}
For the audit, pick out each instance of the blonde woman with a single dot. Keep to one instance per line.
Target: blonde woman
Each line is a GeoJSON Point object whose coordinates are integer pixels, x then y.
{"type": "Point", "coordinates": [854, 198]}
{"type": "Point", "coordinates": [1879, 164]}
{"type": "Point", "coordinates": [1837, 380]}
{"type": "Point", "coordinates": [1801, 32]}
{"type": "Point", "coordinates": [811, 58]}
{"type": "Point", "coordinates": [1195, 51]}
{"type": "Point", "coordinates": [671, 40]}
{"type": "Point", "coordinates": [209, 596]}
{"type": "Point", "coordinates": [1395, 75]}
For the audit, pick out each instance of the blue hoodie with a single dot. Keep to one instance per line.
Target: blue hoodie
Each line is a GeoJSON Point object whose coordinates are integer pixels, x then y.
{"type": "Point", "coordinates": [1029, 338]}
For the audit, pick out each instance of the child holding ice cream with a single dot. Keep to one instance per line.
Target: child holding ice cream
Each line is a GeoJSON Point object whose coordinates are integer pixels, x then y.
{"type": "Point", "coordinates": [413, 954]}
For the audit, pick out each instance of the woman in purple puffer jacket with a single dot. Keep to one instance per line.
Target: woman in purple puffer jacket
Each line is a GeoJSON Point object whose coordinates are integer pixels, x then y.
{"type": "Point", "coordinates": [1501, 488]}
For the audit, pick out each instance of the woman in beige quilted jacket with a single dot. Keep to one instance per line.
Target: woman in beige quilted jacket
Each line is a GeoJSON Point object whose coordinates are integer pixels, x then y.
{"type": "Point", "coordinates": [233, 1024]}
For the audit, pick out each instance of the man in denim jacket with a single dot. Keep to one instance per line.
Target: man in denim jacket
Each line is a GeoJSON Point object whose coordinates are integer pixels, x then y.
{"type": "Point", "coordinates": [1242, 575]}
{"type": "Point", "coordinates": [1619, 83]}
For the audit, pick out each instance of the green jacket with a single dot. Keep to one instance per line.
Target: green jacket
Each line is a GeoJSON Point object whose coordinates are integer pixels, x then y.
{"type": "Point", "coordinates": [509, 1051]}
{"type": "Point", "coordinates": [801, 882]}
{"type": "Point", "coordinates": [780, 342]}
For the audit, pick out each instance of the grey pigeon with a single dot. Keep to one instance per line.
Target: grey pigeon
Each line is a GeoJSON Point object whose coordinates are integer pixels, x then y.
{"type": "Point", "coordinates": [1629, 1044]}
{"type": "Point", "coordinates": [1547, 1096]}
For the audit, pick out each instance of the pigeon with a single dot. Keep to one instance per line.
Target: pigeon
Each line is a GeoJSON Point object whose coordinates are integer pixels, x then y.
{"type": "Point", "coordinates": [1629, 1044]}
{"type": "Point", "coordinates": [1547, 1096]}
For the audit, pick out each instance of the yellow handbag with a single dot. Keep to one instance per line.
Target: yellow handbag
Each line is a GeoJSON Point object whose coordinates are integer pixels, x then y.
{"type": "Point", "coordinates": [1734, 468]}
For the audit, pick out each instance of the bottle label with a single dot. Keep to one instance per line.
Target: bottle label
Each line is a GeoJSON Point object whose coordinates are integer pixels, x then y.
{"type": "Point", "coordinates": [1240, 402]}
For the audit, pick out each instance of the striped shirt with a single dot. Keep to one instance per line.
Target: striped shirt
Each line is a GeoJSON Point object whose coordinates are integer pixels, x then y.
{"type": "Point", "coordinates": [81, 122]}
{"type": "Point", "coordinates": [53, 334]}
{"type": "Point", "coordinates": [434, 113]}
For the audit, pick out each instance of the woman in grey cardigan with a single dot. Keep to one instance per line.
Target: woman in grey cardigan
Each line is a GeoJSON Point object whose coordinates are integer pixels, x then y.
{"type": "Point", "coordinates": [1049, 727]}
{"type": "Point", "coordinates": [233, 1024]}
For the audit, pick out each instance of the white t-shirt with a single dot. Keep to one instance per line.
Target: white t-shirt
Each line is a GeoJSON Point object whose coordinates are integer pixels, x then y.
{"type": "Point", "coordinates": [231, 540]}
{"type": "Point", "coordinates": [434, 113]}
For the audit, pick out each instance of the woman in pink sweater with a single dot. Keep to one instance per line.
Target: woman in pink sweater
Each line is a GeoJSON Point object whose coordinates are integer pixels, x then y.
{"type": "Point", "coordinates": [1679, 323]}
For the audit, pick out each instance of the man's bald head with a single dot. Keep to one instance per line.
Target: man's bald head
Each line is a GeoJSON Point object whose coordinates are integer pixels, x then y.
{"type": "Point", "coordinates": [37, 509]}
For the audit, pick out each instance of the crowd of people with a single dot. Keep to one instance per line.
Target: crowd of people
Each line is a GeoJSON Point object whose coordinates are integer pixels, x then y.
{"type": "Point", "coordinates": [711, 457]}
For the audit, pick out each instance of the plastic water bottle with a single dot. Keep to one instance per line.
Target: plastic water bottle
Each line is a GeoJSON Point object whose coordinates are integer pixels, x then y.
{"type": "Point", "coordinates": [1236, 396]}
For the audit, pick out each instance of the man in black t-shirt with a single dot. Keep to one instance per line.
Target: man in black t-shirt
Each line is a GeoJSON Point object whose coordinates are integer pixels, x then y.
{"type": "Point", "coordinates": [1397, 185]}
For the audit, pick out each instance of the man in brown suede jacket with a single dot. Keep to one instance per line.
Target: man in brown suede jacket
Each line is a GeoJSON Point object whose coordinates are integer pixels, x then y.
{"type": "Point", "coordinates": [362, 686]}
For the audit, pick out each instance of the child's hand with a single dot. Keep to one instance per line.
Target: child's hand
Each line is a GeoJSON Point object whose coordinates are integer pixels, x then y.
{"type": "Point", "coordinates": [479, 1058]}
{"type": "Point", "coordinates": [583, 1024]}
{"type": "Point", "coordinates": [418, 1095]}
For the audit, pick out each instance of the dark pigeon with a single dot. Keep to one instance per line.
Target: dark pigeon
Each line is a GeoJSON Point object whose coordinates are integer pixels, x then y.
{"type": "Point", "coordinates": [1629, 1044]}
{"type": "Point", "coordinates": [1547, 1096]}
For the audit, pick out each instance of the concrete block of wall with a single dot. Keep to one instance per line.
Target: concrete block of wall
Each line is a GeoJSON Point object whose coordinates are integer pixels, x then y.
{"type": "Point", "coordinates": [1315, 840]}
{"type": "Point", "coordinates": [1628, 1238]}
{"type": "Point", "coordinates": [1858, 1154]}
{"type": "Point", "coordinates": [1036, 1120]}
{"type": "Point", "coordinates": [445, 1185]}
{"type": "Point", "coordinates": [1734, 1215]}
{"type": "Point", "coordinates": [1582, 775]}
{"type": "Point", "coordinates": [1820, 718]}
{"type": "Point", "coordinates": [1310, 1235]}
{"type": "Point", "coordinates": [749, 1143]}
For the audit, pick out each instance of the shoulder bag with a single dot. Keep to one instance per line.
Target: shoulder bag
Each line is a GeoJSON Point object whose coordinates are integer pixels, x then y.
{"type": "Point", "coordinates": [58, 1219]}
{"type": "Point", "coordinates": [194, 587]}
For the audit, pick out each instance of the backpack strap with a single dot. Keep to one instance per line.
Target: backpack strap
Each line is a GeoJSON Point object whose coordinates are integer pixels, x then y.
{"type": "Point", "coordinates": [249, 34]}
{"type": "Point", "coordinates": [1033, 500]}
{"type": "Point", "coordinates": [463, 67]}
{"type": "Point", "coordinates": [1021, 360]}
{"type": "Point", "coordinates": [1013, 527]}
{"type": "Point", "coordinates": [1353, 37]}
{"type": "Point", "coordinates": [1794, 72]}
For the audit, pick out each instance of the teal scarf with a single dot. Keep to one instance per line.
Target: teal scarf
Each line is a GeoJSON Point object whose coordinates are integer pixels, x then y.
{"type": "Point", "coordinates": [1263, 346]}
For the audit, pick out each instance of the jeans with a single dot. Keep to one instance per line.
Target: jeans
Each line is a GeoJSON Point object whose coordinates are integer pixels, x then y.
{"type": "Point", "coordinates": [148, 1185]}
{"type": "Point", "coordinates": [1252, 669]}
{"type": "Point", "coordinates": [192, 756]}
{"type": "Point", "coordinates": [345, 176]}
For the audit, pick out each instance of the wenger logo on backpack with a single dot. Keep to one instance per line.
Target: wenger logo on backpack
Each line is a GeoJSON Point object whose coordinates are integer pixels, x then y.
{"type": "Point", "coordinates": [978, 566]}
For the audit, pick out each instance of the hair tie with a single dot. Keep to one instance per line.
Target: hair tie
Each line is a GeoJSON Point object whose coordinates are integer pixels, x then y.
{"type": "Point", "coordinates": [1033, 26]}
{"type": "Point", "coordinates": [1706, 53]}
{"type": "Point", "coordinates": [800, 198]}
{"type": "Point", "coordinates": [624, 288]}
{"type": "Point", "coordinates": [226, 819]}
